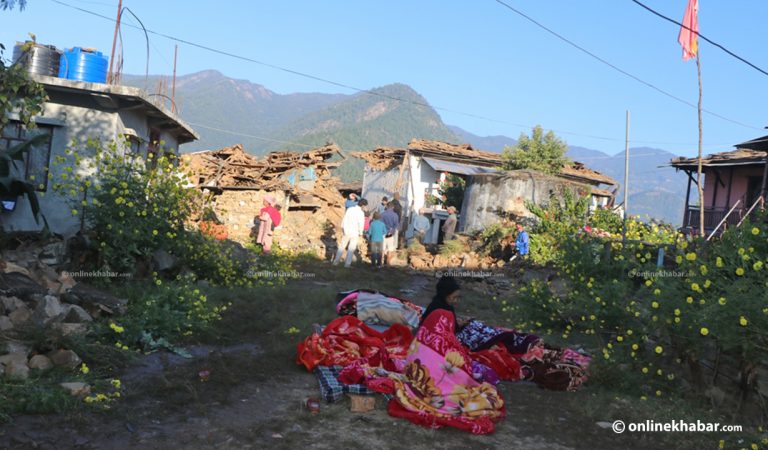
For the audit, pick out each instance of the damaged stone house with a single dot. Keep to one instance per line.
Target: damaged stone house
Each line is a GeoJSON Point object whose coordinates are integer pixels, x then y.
{"type": "Point", "coordinates": [77, 111]}
{"type": "Point", "coordinates": [236, 183]}
{"type": "Point", "coordinates": [491, 194]}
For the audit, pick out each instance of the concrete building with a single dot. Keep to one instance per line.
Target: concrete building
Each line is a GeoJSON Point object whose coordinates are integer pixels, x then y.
{"type": "Point", "coordinates": [78, 111]}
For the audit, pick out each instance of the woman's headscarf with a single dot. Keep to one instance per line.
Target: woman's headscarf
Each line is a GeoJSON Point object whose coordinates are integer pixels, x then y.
{"type": "Point", "coordinates": [274, 214]}
{"type": "Point", "coordinates": [445, 287]}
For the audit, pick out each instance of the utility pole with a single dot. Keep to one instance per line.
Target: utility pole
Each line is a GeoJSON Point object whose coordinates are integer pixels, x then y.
{"type": "Point", "coordinates": [110, 78]}
{"type": "Point", "coordinates": [626, 180]}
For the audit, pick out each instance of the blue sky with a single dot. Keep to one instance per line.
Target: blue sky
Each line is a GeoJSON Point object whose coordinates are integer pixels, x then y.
{"type": "Point", "coordinates": [476, 57]}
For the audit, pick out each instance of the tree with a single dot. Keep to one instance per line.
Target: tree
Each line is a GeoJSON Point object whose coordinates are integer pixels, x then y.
{"type": "Point", "coordinates": [9, 4]}
{"type": "Point", "coordinates": [21, 95]}
{"type": "Point", "coordinates": [540, 152]}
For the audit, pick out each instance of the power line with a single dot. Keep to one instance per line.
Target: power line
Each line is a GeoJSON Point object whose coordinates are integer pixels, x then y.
{"type": "Point", "coordinates": [616, 68]}
{"type": "Point", "coordinates": [702, 37]}
{"type": "Point", "coordinates": [390, 97]}
{"type": "Point", "coordinates": [237, 133]}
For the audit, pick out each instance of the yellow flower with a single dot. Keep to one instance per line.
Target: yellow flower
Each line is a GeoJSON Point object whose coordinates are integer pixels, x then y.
{"type": "Point", "coordinates": [703, 269]}
{"type": "Point", "coordinates": [722, 300]}
{"type": "Point", "coordinates": [719, 262]}
{"type": "Point", "coordinates": [677, 311]}
{"type": "Point", "coordinates": [648, 282]}
{"type": "Point", "coordinates": [116, 328]}
{"type": "Point", "coordinates": [739, 271]}
{"type": "Point", "coordinates": [678, 259]}
{"type": "Point", "coordinates": [704, 331]}
{"type": "Point", "coordinates": [655, 304]}
{"type": "Point", "coordinates": [635, 346]}
{"type": "Point", "coordinates": [659, 349]}
{"type": "Point", "coordinates": [619, 338]}
{"type": "Point", "coordinates": [84, 369]}
{"type": "Point", "coordinates": [695, 287]}
{"type": "Point", "coordinates": [658, 393]}
{"type": "Point", "coordinates": [743, 321]}
{"type": "Point", "coordinates": [629, 332]}
{"type": "Point", "coordinates": [657, 291]}
{"type": "Point", "coordinates": [758, 265]}
{"type": "Point", "coordinates": [116, 383]}
{"type": "Point", "coordinates": [755, 231]}
{"type": "Point", "coordinates": [690, 256]}
{"type": "Point", "coordinates": [645, 370]}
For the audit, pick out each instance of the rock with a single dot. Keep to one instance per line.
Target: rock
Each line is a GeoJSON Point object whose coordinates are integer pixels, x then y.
{"type": "Point", "coordinates": [67, 282]}
{"type": "Point", "coordinates": [47, 310]}
{"type": "Point", "coordinates": [70, 329]}
{"type": "Point", "coordinates": [65, 358]}
{"type": "Point", "coordinates": [5, 323]}
{"type": "Point", "coordinates": [40, 362]}
{"type": "Point", "coordinates": [92, 300]}
{"type": "Point", "coordinates": [20, 315]}
{"type": "Point", "coordinates": [10, 347]}
{"type": "Point", "coordinates": [47, 277]}
{"type": "Point", "coordinates": [75, 314]}
{"type": "Point", "coordinates": [9, 267]}
{"type": "Point", "coordinates": [53, 254]}
{"type": "Point", "coordinates": [7, 360]}
{"type": "Point", "coordinates": [77, 389]}
{"type": "Point", "coordinates": [163, 261]}
{"type": "Point", "coordinates": [19, 285]}
{"type": "Point", "coordinates": [17, 370]}
{"type": "Point", "coordinates": [10, 304]}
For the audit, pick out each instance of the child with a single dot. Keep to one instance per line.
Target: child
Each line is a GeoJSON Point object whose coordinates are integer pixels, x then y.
{"type": "Point", "coordinates": [376, 232]}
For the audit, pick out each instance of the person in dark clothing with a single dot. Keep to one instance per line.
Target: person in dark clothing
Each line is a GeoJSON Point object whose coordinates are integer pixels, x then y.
{"type": "Point", "coordinates": [447, 295]}
{"type": "Point", "coordinates": [397, 206]}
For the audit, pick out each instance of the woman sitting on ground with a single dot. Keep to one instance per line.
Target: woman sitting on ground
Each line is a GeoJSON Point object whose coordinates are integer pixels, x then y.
{"type": "Point", "coordinates": [437, 387]}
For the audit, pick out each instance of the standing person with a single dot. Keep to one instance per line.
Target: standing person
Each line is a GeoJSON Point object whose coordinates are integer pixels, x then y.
{"type": "Point", "coordinates": [449, 227]}
{"type": "Point", "coordinates": [420, 226]}
{"type": "Point", "coordinates": [383, 205]}
{"type": "Point", "coordinates": [269, 218]}
{"type": "Point", "coordinates": [398, 207]}
{"type": "Point", "coordinates": [521, 243]}
{"type": "Point", "coordinates": [392, 221]}
{"type": "Point", "coordinates": [352, 227]}
{"type": "Point", "coordinates": [351, 201]}
{"type": "Point", "coordinates": [376, 232]}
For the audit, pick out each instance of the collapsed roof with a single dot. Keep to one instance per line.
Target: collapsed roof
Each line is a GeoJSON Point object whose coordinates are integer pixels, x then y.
{"type": "Point", "coordinates": [385, 158]}
{"type": "Point", "coordinates": [233, 168]}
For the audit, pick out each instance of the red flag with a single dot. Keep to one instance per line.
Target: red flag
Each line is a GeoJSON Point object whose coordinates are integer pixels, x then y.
{"type": "Point", "coordinates": [689, 32]}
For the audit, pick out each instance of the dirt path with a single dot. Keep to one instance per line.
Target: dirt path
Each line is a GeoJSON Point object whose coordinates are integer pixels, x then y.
{"type": "Point", "coordinates": [255, 393]}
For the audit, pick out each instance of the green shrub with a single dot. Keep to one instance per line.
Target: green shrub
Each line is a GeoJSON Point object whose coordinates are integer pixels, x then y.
{"type": "Point", "coordinates": [134, 208]}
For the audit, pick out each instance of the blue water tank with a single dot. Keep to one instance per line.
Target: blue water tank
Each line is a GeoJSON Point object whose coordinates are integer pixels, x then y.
{"type": "Point", "coordinates": [83, 65]}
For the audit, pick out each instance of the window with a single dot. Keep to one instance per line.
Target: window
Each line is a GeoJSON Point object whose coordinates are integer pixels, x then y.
{"type": "Point", "coordinates": [37, 158]}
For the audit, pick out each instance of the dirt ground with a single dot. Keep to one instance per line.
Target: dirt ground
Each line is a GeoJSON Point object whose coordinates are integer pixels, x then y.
{"type": "Point", "coordinates": [254, 396]}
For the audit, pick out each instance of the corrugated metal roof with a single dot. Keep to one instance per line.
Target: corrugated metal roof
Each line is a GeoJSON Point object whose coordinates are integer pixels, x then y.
{"type": "Point", "coordinates": [454, 167]}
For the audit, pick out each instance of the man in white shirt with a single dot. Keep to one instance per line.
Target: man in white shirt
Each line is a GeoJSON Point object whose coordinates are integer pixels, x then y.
{"type": "Point", "coordinates": [352, 227]}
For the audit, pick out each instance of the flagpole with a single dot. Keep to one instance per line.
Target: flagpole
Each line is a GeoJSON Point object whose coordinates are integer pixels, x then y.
{"type": "Point", "coordinates": [699, 181]}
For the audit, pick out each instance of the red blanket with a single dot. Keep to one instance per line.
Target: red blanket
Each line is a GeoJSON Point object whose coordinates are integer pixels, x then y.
{"type": "Point", "coordinates": [347, 339]}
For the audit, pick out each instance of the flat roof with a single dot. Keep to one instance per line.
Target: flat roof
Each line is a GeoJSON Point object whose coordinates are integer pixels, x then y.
{"type": "Point", "coordinates": [124, 97]}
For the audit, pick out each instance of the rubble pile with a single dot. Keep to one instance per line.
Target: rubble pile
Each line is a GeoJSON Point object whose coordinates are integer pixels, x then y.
{"type": "Point", "coordinates": [35, 294]}
{"type": "Point", "coordinates": [312, 206]}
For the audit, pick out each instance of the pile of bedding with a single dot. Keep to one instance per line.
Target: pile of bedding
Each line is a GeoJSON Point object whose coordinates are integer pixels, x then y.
{"type": "Point", "coordinates": [437, 377]}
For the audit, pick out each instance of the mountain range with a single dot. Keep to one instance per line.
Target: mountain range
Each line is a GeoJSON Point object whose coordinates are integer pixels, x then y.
{"type": "Point", "coordinates": [226, 111]}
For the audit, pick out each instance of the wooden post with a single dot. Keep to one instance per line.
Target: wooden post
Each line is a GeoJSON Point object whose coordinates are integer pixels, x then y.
{"type": "Point", "coordinates": [110, 78]}
{"type": "Point", "coordinates": [701, 136]}
{"type": "Point", "coordinates": [626, 180]}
